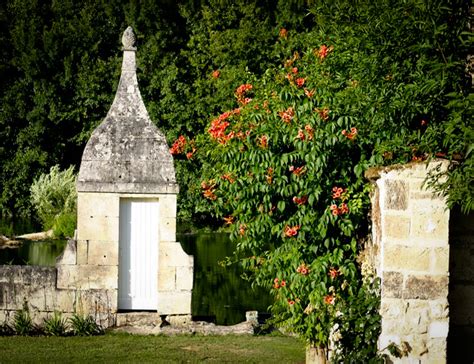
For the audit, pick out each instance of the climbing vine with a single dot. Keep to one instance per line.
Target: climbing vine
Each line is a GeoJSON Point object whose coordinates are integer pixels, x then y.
{"type": "Point", "coordinates": [284, 168]}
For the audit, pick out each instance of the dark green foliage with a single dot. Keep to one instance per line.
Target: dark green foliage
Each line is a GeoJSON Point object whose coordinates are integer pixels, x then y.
{"type": "Point", "coordinates": [85, 326]}
{"type": "Point", "coordinates": [22, 323]}
{"type": "Point", "coordinates": [60, 64]}
{"type": "Point", "coordinates": [371, 84]}
{"type": "Point", "coordinates": [65, 225]}
{"type": "Point", "coordinates": [56, 325]}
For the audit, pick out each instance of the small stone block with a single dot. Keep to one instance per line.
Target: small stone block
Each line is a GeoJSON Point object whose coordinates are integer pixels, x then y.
{"type": "Point", "coordinates": [68, 257]}
{"type": "Point", "coordinates": [392, 283]}
{"type": "Point", "coordinates": [439, 329]}
{"type": "Point", "coordinates": [184, 278]}
{"type": "Point", "coordinates": [174, 303]}
{"type": "Point", "coordinates": [426, 287]}
{"type": "Point", "coordinates": [440, 260]}
{"type": "Point", "coordinates": [399, 257]}
{"type": "Point", "coordinates": [103, 253]}
{"type": "Point", "coordinates": [82, 249]}
{"type": "Point", "coordinates": [167, 278]}
{"type": "Point", "coordinates": [396, 195]}
{"type": "Point", "coordinates": [395, 226]}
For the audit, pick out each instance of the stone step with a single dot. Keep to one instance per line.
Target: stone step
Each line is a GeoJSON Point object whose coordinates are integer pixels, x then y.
{"type": "Point", "coordinates": [138, 319]}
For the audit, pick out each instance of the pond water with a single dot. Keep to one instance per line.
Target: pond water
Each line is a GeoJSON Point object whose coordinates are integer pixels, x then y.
{"type": "Point", "coordinates": [33, 253]}
{"type": "Point", "coordinates": [219, 293]}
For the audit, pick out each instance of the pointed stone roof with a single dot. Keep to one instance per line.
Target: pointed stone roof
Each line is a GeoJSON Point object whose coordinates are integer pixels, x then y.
{"type": "Point", "coordinates": [127, 153]}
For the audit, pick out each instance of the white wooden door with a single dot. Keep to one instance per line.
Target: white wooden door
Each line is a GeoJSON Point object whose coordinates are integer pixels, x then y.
{"type": "Point", "coordinates": [138, 254]}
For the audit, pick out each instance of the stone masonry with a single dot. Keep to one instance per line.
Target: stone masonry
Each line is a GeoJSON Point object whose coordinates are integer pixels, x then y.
{"type": "Point", "coordinates": [411, 256]}
{"type": "Point", "coordinates": [126, 158]}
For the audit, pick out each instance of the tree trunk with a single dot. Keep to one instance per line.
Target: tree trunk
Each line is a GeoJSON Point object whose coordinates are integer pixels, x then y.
{"type": "Point", "coordinates": [316, 355]}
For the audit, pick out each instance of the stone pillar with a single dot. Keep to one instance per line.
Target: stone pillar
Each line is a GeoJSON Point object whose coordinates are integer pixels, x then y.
{"type": "Point", "coordinates": [410, 237]}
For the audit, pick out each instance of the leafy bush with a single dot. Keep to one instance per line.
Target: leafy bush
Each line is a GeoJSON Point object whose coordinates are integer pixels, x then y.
{"type": "Point", "coordinates": [65, 224]}
{"type": "Point", "coordinates": [284, 168]}
{"type": "Point", "coordinates": [54, 196]}
{"type": "Point", "coordinates": [22, 323]}
{"type": "Point", "coordinates": [55, 325]}
{"type": "Point", "coordinates": [85, 326]}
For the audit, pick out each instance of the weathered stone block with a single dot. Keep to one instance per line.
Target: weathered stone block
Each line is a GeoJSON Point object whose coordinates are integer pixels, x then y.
{"type": "Point", "coordinates": [103, 253]}
{"type": "Point", "coordinates": [36, 298]}
{"type": "Point", "coordinates": [87, 277]}
{"type": "Point", "coordinates": [439, 329]}
{"type": "Point", "coordinates": [82, 251]}
{"type": "Point", "coordinates": [95, 301]}
{"type": "Point", "coordinates": [439, 309]}
{"type": "Point", "coordinates": [396, 226]}
{"type": "Point", "coordinates": [7, 295]}
{"type": "Point", "coordinates": [396, 195]}
{"type": "Point", "coordinates": [168, 229]}
{"type": "Point", "coordinates": [440, 260]}
{"type": "Point", "coordinates": [174, 303]}
{"type": "Point", "coordinates": [184, 278]}
{"type": "Point", "coordinates": [392, 307]}
{"type": "Point", "coordinates": [167, 279]}
{"type": "Point", "coordinates": [173, 255]}
{"type": "Point", "coordinates": [437, 349]}
{"type": "Point", "coordinates": [399, 257]}
{"type": "Point", "coordinates": [418, 347]}
{"type": "Point", "coordinates": [426, 287]}
{"type": "Point", "coordinates": [430, 220]}
{"type": "Point", "coordinates": [40, 276]}
{"type": "Point", "coordinates": [98, 228]}
{"type": "Point", "coordinates": [168, 206]}
{"type": "Point", "coordinates": [179, 320]}
{"type": "Point", "coordinates": [69, 254]}
{"type": "Point", "coordinates": [386, 339]}
{"type": "Point", "coordinates": [97, 204]}
{"type": "Point", "coordinates": [50, 300]}
{"type": "Point", "coordinates": [392, 283]}
{"type": "Point", "coordinates": [65, 300]}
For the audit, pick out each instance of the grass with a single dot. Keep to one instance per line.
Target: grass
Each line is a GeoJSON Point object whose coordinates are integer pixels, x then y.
{"type": "Point", "coordinates": [125, 348]}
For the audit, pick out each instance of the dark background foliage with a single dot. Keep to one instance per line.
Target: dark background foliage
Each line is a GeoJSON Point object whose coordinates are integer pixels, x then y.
{"type": "Point", "coordinates": [60, 65]}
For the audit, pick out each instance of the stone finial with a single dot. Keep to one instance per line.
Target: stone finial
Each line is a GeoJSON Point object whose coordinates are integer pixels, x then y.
{"type": "Point", "coordinates": [129, 39]}
{"type": "Point", "coordinates": [127, 153]}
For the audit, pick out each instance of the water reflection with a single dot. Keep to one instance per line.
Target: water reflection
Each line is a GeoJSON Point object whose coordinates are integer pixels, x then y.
{"type": "Point", "coordinates": [219, 293]}
{"type": "Point", "coordinates": [33, 253]}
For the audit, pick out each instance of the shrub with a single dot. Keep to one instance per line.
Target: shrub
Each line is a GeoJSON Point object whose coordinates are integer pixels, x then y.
{"type": "Point", "coordinates": [285, 167]}
{"type": "Point", "coordinates": [85, 326]}
{"type": "Point", "coordinates": [54, 196]}
{"type": "Point", "coordinates": [65, 224]}
{"type": "Point", "coordinates": [22, 323]}
{"type": "Point", "coordinates": [55, 325]}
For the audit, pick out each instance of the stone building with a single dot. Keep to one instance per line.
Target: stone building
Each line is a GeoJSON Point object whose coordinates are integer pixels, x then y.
{"type": "Point", "coordinates": [125, 256]}
{"type": "Point", "coordinates": [126, 233]}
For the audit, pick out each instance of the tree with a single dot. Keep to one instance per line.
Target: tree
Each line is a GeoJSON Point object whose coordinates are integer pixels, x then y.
{"type": "Point", "coordinates": [284, 166]}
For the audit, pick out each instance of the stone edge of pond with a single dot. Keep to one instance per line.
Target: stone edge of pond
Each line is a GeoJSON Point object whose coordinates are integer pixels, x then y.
{"type": "Point", "coordinates": [191, 328]}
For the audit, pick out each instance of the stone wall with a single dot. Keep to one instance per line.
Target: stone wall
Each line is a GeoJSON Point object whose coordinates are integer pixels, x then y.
{"type": "Point", "coordinates": [411, 255]}
{"type": "Point", "coordinates": [36, 286]}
